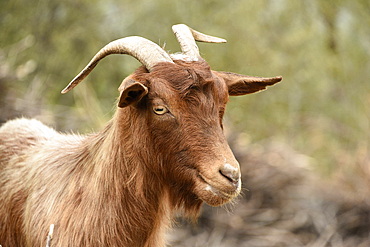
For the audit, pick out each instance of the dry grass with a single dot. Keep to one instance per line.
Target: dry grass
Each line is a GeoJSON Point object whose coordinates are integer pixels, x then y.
{"type": "Point", "coordinates": [286, 204]}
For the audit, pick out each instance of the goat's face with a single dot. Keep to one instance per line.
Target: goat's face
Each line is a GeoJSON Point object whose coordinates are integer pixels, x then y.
{"type": "Point", "coordinates": [187, 103]}
{"type": "Point", "coordinates": [183, 105]}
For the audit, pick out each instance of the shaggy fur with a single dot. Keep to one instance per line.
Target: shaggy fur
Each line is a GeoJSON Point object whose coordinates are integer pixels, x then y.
{"type": "Point", "coordinates": [122, 185]}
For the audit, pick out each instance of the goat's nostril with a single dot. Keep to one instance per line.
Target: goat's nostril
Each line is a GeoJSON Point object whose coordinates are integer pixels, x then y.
{"type": "Point", "coordinates": [230, 173]}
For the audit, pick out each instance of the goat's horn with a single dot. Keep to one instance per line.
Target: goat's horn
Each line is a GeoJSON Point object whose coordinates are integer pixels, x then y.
{"type": "Point", "coordinates": [187, 37]}
{"type": "Point", "coordinates": [147, 52]}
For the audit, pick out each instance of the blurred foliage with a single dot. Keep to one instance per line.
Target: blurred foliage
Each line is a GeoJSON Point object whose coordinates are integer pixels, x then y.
{"type": "Point", "coordinates": [321, 48]}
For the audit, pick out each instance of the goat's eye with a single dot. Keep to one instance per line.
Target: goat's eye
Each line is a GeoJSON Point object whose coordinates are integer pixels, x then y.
{"type": "Point", "coordinates": [160, 110]}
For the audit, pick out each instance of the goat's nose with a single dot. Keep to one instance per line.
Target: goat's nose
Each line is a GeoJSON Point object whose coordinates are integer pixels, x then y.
{"type": "Point", "coordinates": [230, 172]}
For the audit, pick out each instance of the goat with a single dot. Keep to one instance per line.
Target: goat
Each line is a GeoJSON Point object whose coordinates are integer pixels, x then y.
{"type": "Point", "coordinates": [162, 153]}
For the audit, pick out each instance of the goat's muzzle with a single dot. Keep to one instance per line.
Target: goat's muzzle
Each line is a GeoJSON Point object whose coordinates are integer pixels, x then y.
{"type": "Point", "coordinates": [219, 182]}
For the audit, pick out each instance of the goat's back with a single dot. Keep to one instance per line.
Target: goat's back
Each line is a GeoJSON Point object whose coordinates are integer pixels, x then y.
{"type": "Point", "coordinates": [16, 136]}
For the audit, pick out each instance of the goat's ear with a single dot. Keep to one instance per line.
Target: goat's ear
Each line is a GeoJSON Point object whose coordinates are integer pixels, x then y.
{"type": "Point", "coordinates": [244, 84]}
{"type": "Point", "coordinates": [131, 92]}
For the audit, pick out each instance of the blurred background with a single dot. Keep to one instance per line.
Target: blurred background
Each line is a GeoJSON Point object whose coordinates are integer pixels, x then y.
{"type": "Point", "coordinates": [303, 144]}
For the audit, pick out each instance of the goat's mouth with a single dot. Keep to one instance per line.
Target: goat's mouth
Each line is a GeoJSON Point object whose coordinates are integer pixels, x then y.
{"type": "Point", "coordinates": [216, 194]}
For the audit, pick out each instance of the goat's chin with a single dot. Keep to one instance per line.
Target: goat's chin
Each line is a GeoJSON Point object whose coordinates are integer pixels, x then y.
{"type": "Point", "coordinates": [215, 196]}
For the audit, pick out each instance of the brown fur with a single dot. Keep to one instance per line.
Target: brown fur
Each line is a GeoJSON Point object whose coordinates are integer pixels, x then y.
{"type": "Point", "coordinates": [123, 185]}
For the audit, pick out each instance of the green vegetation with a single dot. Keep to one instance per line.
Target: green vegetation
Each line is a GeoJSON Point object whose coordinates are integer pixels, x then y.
{"type": "Point", "coordinates": [321, 48]}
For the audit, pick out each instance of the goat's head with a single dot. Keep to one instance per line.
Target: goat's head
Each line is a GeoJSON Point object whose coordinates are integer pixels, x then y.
{"type": "Point", "coordinates": [182, 102]}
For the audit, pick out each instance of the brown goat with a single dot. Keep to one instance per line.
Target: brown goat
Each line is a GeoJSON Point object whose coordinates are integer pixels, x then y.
{"type": "Point", "coordinates": [163, 152]}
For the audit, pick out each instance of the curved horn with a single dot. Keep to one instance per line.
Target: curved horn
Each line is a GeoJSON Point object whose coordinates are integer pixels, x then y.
{"type": "Point", "coordinates": [147, 52]}
{"type": "Point", "coordinates": [187, 37]}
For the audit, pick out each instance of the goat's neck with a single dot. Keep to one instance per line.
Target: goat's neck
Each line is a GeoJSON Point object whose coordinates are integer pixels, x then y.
{"type": "Point", "coordinates": [129, 189]}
